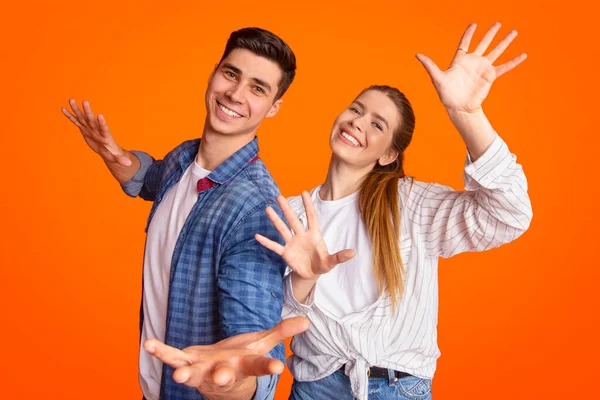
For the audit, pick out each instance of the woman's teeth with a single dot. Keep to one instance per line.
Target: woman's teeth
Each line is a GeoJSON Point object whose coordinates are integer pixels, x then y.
{"type": "Point", "coordinates": [351, 139]}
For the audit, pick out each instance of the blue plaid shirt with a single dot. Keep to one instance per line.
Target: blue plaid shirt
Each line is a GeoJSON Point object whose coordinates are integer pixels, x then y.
{"type": "Point", "coordinates": [223, 283]}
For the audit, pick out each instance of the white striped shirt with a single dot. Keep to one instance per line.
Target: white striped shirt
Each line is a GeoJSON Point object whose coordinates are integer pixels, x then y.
{"type": "Point", "coordinates": [436, 221]}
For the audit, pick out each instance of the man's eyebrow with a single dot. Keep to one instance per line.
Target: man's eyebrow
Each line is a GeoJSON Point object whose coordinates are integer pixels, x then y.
{"type": "Point", "coordinates": [238, 71]}
{"type": "Point", "coordinates": [233, 68]}
{"type": "Point", "coordinates": [262, 83]}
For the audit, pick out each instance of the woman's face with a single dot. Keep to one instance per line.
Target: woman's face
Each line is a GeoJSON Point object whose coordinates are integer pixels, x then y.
{"type": "Point", "coordinates": [362, 134]}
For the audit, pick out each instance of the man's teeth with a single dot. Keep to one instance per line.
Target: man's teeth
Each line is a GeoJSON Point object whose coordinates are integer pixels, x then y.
{"type": "Point", "coordinates": [229, 112]}
{"type": "Point", "coordinates": [351, 139]}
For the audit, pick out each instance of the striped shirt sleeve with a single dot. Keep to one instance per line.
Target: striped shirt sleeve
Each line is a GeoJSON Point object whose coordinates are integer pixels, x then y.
{"type": "Point", "coordinates": [494, 208]}
{"type": "Point", "coordinates": [291, 306]}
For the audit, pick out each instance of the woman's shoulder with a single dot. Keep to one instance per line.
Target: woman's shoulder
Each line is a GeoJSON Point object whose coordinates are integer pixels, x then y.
{"type": "Point", "coordinates": [296, 201]}
{"type": "Point", "coordinates": [405, 185]}
{"type": "Point", "coordinates": [408, 186]}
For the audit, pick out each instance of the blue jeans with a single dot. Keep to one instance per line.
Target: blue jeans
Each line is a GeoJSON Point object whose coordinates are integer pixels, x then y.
{"type": "Point", "coordinates": [337, 386]}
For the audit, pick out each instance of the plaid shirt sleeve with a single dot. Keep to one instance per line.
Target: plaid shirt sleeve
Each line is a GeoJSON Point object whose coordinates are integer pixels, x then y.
{"type": "Point", "coordinates": [146, 182]}
{"type": "Point", "coordinates": [250, 282]}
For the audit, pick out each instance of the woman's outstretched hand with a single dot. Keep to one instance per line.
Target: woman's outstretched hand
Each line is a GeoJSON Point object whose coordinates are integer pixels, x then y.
{"type": "Point", "coordinates": [305, 251]}
{"type": "Point", "coordinates": [466, 83]}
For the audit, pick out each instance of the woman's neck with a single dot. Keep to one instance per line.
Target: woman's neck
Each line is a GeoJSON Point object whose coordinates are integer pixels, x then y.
{"type": "Point", "coordinates": [342, 180]}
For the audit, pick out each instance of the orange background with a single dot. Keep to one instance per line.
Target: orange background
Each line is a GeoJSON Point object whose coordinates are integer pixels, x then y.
{"type": "Point", "coordinates": [518, 322]}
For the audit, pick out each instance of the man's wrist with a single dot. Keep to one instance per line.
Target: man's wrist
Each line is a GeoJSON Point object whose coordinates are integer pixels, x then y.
{"type": "Point", "coordinates": [124, 173]}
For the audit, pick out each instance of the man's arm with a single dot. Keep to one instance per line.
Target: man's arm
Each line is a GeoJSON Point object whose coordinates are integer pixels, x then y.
{"type": "Point", "coordinates": [250, 294]}
{"type": "Point", "coordinates": [250, 282]}
{"type": "Point", "coordinates": [224, 369]}
{"type": "Point", "coordinates": [137, 172]}
{"type": "Point", "coordinates": [121, 163]}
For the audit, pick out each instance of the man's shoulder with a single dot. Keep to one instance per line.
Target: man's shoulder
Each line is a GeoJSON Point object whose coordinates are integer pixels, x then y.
{"type": "Point", "coordinates": [185, 147]}
{"type": "Point", "coordinates": [245, 199]}
{"type": "Point", "coordinates": [256, 185]}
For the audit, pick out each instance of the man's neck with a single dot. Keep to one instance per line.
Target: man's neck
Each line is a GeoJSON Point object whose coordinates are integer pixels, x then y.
{"type": "Point", "coordinates": [215, 148]}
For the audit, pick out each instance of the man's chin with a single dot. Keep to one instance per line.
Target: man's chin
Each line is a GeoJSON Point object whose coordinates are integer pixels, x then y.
{"type": "Point", "coordinates": [224, 127]}
{"type": "Point", "coordinates": [228, 128]}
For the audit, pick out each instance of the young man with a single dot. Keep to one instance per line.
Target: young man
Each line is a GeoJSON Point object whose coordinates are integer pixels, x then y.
{"type": "Point", "coordinates": [205, 277]}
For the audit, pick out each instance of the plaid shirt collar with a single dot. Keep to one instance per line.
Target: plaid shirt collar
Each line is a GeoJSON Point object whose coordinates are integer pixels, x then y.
{"type": "Point", "coordinates": [229, 168]}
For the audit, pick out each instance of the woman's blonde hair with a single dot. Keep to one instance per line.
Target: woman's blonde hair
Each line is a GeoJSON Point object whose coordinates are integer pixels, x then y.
{"type": "Point", "coordinates": [379, 204]}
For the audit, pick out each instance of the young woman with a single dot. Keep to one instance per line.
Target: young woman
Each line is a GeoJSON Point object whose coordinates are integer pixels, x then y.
{"type": "Point", "coordinates": [373, 319]}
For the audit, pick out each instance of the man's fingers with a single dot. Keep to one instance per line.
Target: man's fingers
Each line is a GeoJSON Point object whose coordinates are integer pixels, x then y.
{"type": "Point", "coordinates": [259, 366]}
{"type": "Point", "coordinates": [182, 375]}
{"type": "Point", "coordinates": [167, 354]}
{"type": "Point", "coordinates": [195, 375]}
{"type": "Point", "coordinates": [71, 117]}
{"type": "Point", "coordinates": [89, 114]}
{"type": "Point", "coordinates": [283, 330]}
{"type": "Point", "coordinates": [223, 374]}
{"type": "Point", "coordinates": [290, 327]}
{"type": "Point", "coordinates": [112, 146]}
{"type": "Point", "coordinates": [104, 131]}
{"type": "Point", "coordinates": [78, 113]}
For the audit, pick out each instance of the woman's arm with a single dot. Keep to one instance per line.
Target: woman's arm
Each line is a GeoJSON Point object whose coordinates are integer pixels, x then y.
{"type": "Point", "coordinates": [495, 208]}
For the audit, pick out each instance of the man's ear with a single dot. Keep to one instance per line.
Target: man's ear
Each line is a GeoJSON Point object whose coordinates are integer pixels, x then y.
{"type": "Point", "coordinates": [274, 109]}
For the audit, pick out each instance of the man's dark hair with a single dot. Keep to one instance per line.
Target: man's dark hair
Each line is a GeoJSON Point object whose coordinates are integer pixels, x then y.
{"type": "Point", "coordinates": [268, 45]}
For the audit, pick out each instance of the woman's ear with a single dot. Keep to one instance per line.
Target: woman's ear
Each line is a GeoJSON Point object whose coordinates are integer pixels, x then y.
{"type": "Point", "coordinates": [388, 158]}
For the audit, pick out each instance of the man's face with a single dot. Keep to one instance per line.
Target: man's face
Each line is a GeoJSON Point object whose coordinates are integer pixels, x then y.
{"type": "Point", "coordinates": [241, 92]}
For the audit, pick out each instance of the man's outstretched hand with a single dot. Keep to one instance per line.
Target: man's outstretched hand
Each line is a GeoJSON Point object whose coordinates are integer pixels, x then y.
{"type": "Point", "coordinates": [228, 369]}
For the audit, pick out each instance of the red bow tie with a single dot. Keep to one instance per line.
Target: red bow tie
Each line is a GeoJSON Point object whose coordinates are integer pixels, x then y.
{"type": "Point", "coordinates": [204, 184]}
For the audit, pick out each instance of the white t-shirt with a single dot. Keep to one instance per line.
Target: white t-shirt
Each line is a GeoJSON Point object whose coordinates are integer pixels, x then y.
{"type": "Point", "coordinates": [164, 229]}
{"type": "Point", "coordinates": [350, 286]}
